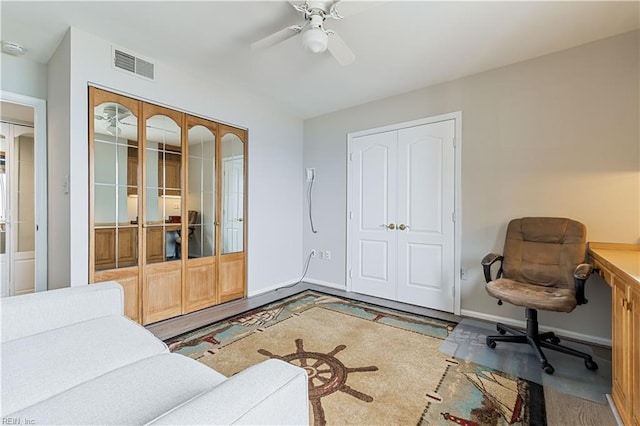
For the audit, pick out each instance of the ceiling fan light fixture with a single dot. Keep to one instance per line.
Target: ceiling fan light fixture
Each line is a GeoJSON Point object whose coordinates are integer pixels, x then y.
{"type": "Point", "coordinates": [315, 40]}
{"type": "Point", "coordinates": [113, 130]}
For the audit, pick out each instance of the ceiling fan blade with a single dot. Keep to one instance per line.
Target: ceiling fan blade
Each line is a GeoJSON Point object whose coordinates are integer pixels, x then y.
{"type": "Point", "coordinates": [346, 8]}
{"type": "Point", "coordinates": [340, 50]}
{"type": "Point", "coordinates": [277, 37]}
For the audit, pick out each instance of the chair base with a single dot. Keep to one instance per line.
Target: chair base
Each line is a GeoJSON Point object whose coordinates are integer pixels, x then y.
{"type": "Point", "coordinates": [537, 341]}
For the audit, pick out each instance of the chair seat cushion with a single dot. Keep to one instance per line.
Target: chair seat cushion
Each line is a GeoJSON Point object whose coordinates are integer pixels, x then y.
{"type": "Point", "coordinates": [532, 296]}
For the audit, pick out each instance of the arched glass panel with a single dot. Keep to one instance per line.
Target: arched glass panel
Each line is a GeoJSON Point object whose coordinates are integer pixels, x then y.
{"type": "Point", "coordinates": [232, 153]}
{"type": "Point", "coordinates": [201, 186]}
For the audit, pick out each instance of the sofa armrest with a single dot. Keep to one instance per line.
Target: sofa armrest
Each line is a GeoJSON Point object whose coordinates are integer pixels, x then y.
{"type": "Point", "coordinates": [34, 313]}
{"type": "Point", "coordinates": [270, 393]}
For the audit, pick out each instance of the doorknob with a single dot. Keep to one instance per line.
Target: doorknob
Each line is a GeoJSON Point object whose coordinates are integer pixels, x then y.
{"type": "Point", "coordinates": [402, 227]}
{"type": "Point", "coordinates": [390, 226]}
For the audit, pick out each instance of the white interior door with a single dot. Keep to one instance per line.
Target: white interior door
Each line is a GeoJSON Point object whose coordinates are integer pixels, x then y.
{"type": "Point", "coordinates": [4, 210]}
{"type": "Point", "coordinates": [426, 267]}
{"type": "Point", "coordinates": [402, 234]}
{"type": "Point", "coordinates": [18, 210]}
{"type": "Point", "coordinates": [373, 241]}
{"type": "Point", "coordinates": [232, 204]}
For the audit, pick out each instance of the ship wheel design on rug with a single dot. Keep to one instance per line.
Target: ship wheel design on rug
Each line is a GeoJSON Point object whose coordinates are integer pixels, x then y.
{"type": "Point", "coordinates": [327, 374]}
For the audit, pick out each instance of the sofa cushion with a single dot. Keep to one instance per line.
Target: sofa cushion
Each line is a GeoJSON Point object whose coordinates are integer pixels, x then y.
{"type": "Point", "coordinates": [135, 394]}
{"type": "Point", "coordinates": [39, 366]}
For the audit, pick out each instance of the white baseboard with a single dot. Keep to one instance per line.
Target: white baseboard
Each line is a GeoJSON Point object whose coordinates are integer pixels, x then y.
{"type": "Point", "coordinates": [614, 410]}
{"type": "Point", "coordinates": [271, 288]}
{"type": "Point", "coordinates": [325, 283]}
{"type": "Point", "coordinates": [520, 323]}
{"type": "Point", "coordinates": [294, 281]}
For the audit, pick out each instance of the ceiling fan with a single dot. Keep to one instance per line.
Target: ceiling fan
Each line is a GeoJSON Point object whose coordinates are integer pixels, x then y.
{"type": "Point", "coordinates": [315, 37]}
{"type": "Point", "coordinates": [114, 115]}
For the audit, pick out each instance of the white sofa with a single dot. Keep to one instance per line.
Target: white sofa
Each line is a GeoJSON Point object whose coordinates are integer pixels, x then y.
{"type": "Point", "coordinates": [70, 357]}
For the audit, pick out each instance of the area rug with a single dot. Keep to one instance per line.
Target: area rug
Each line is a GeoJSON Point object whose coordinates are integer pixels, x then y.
{"type": "Point", "coordinates": [366, 364]}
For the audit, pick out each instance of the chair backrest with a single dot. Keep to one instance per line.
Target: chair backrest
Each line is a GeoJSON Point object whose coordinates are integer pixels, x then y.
{"type": "Point", "coordinates": [544, 250]}
{"type": "Point", "coordinates": [193, 217]}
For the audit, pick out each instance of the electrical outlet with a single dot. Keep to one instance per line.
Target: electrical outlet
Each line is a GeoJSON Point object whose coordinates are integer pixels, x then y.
{"type": "Point", "coordinates": [327, 255]}
{"type": "Point", "coordinates": [313, 253]}
{"type": "Point", "coordinates": [321, 254]}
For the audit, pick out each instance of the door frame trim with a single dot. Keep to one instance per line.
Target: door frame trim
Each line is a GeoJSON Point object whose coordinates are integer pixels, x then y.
{"type": "Point", "coordinates": [457, 117]}
{"type": "Point", "coordinates": [40, 179]}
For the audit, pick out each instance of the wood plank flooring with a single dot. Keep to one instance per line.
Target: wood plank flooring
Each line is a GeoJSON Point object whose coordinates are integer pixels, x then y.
{"type": "Point", "coordinates": [562, 409]}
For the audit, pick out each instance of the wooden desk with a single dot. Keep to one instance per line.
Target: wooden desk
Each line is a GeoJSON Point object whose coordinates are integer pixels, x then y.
{"type": "Point", "coordinates": [619, 266]}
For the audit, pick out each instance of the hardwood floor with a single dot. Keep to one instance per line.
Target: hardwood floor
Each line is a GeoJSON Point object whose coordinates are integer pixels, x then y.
{"type": "Point", "coordinates": [562, 409]}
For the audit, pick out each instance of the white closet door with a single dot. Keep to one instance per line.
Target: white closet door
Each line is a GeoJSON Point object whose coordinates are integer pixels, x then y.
{"type": "Point", "coordinates": [373, 243]}
{"type": "Point", "coordinates": [425, 209]}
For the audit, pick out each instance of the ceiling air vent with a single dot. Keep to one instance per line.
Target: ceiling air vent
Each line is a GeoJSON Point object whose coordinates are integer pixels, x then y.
{"type": "Point", "coordinates": [127, 62]}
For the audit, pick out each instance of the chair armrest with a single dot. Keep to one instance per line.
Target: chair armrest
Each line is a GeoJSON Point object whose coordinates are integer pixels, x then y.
{"type": "Point", "coordinates": [489, 260]}
{"type": "Point", "coordinates": [272, 392]}
{"type": "Point", "coordinates": [581, 274]}
{"type": "Point", "coordinates": [583, 271]}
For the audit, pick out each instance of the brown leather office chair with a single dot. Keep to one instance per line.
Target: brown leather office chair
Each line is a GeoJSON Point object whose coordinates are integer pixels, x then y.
{"type": "Point", "coordinates": [541, 269]}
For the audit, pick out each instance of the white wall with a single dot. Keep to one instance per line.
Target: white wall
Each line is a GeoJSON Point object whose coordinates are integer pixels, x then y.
{"type": "Point", "coordinates": [557, 136]}
{"type": "Point", "coordinates": [58, 136]}
{"type": "Point", "coordinates": [275, 155]}
{"type": "Point", "coordinates": [23, 76]}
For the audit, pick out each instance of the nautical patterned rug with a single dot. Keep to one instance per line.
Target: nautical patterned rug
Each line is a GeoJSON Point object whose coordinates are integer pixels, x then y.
{"type": "Point", "coordinates": [366, 364]}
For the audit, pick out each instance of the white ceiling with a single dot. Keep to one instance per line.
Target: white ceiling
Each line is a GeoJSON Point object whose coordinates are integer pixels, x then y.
{"type": "Point", "coordinates": [399, 45]}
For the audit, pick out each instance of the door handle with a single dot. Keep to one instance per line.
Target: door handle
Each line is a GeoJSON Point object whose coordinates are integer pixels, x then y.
{"type": "Point", "coordinates": [389, 226]}
{"type": "Point", "coordinates": [402, 227]}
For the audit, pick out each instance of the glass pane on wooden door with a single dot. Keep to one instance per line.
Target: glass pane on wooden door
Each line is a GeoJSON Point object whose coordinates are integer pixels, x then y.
{"type": "Point", "coordinates": [201, 192]}
{"type": "Point", "coordinates": [232, 194]}
{"type": "Point", "coordinates": [163, 203]}
{"type": "Point", "coordinates": [115, 192]}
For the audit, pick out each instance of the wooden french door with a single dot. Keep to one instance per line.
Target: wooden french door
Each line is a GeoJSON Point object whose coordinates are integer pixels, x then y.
{"type": "Point", "coordinates": [158, 201]}
{"type": "Point", "coordinates": [402, 230]}
{"type": "Point", "coordinates": [233, 201]}
{"type": "Point", "coordinates": [114, 195]}
{"type": "Point", "coordinates": [163, 166]}
{"type": "Point", "coordinates": [201, 290]}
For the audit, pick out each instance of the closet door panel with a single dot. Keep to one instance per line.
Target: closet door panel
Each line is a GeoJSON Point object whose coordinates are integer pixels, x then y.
{"type": "Point", "coordinates": [232, 277]}
{"type": "Point", "coordinates": [163, 216]}
{"type": "Point", "coordinates": [425, 208]}
{"type": "Point", "coordinates": [373, 231]}
{"type": "Point", "coordinates": [200, 289]}
{"type": "Point", "coordinates": [232, 192]}
{"type": "Point", "coordinates": [162, 292]}
{"type": "Point", "coordinates": [114, 232]}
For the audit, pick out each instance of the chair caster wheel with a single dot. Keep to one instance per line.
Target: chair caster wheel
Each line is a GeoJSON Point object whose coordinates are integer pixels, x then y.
{"type": "Point", "coordinates": [491, 343]}
{"type": "Point", "coordinates": [590, 364]}
{"type": "Point", "coordinates": [554, 340]}
{"type": "Point", "coordinates": [548, 369]}
{"type": "Point", "coordinates": [501, 330]}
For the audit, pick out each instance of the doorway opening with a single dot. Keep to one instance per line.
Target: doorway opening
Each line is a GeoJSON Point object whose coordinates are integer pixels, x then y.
{"type": "Point", "coordinates": [23, 198]}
